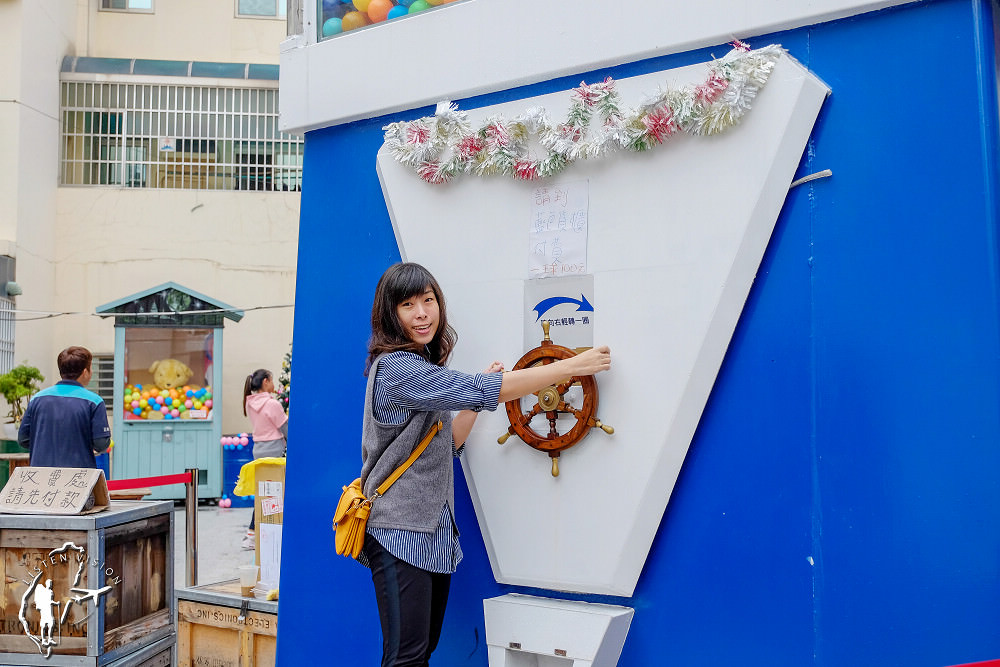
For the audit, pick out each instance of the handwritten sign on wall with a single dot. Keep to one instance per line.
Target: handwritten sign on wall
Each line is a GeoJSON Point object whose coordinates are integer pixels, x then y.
{"type": "Point", "coordinates": [557, 233]}
{"type": "Point", "coordinates": [33, 490]}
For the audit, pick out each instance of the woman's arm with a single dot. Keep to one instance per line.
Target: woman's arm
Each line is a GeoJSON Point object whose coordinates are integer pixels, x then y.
{"type": "Point", "coordinates": [462, 422]}
{"type": "Point", "coordinates": [461, 426]}
{"type": "Point", "coordinates": [528, 380]}
{"type": "Point", "coordinates": [277, 413]}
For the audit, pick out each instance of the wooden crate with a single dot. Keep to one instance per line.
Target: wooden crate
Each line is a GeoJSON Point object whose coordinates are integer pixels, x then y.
{"type": "Point", "coordinates": [158, 654]}
{"type": "Point", "coordinates": [211, 632]}
{"type": "Point", "coordinates": [127, 548]}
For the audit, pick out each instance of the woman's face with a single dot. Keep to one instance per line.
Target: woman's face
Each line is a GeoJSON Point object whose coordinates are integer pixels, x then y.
{"type": "Point", "coordinates": [419, 315]}
{"type": "Point", "coordinates": [267, 385]}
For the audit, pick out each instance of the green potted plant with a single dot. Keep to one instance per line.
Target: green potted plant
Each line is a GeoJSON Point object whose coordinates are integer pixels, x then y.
{"type": "Point", "coordinates": [17, 386]}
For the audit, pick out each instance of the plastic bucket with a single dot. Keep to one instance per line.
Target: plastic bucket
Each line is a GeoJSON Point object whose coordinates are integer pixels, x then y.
{"type": "Point", "coordinates": [233, 458]}
{"type": "Point", "coordinates": [104, 463]}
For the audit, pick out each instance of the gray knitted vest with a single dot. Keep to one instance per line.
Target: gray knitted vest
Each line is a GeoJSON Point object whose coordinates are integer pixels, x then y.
{"type": "Point", "coordinates": [414, 502]}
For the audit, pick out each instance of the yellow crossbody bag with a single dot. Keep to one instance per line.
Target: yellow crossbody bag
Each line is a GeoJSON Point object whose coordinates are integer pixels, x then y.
{"type": "Point", "coordinates": [351, 517]}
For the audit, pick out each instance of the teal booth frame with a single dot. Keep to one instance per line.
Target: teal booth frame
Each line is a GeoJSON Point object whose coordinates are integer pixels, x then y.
{"type": "Point", "coordinates": [164, 447]}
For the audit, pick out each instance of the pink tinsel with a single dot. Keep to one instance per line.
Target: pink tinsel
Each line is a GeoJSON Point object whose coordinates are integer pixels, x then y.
{"type": "Point", "coordinates": [592, 94]}
{"type": "Point", "coordinates": [710, 91]}
{"type": "Point", "coordinates": [469, 146]}
{"type": "Point", "coordinates": [499, 146]}
{"type": "Point", "coordinates": [571, 132]}
{"type": "Point", "coordinates": [659, 124]}
{"type": "Point", "coordinates": [417, 134]}
{"type": "Point", "coordinates": [525, 170]}
{"type": "Point", "coordinates": [498, 134]}
{"type": "Point", "coordinates": [586, 94]}
{"type": "Point", "coordinates": [431, 172]}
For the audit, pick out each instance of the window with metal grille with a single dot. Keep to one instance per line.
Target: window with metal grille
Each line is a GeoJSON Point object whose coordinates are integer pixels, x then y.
{"type": "Point", "coordinates": [175, 136]}
{"type": "Point", "coordinates": [6, 334]}
{"type": "Point", "coordinates": [102, 381]}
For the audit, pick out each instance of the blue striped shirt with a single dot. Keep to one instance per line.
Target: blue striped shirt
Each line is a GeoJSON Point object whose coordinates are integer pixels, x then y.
{"type": "Point", "coordinates": [406, 383]}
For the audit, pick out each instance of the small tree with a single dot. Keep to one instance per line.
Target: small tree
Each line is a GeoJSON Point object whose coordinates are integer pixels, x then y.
{"type": "Point", "coordinates": [285, 379]}
{"type": "Point", "coordinates": [17, 386]}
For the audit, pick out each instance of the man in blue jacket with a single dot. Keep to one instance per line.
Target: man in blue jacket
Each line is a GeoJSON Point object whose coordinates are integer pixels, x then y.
{"type": "Point", "coordinates": [66, 424]}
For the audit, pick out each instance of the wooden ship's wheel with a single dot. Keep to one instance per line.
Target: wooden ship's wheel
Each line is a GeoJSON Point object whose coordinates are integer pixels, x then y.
{"type": "Point", "coordinates": [553, 401]}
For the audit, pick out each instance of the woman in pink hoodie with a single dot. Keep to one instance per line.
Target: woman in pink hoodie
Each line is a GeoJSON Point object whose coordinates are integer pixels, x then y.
{"type": "Point", "coordinates": [270, 425]}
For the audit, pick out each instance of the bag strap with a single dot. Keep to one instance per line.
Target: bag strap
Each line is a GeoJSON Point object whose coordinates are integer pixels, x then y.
{"type": "Point", "coordinates": [417, 451]}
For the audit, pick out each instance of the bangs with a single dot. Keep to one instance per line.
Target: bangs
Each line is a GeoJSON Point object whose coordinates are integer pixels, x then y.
{"type": "Point", "coordinates": [410, 280]}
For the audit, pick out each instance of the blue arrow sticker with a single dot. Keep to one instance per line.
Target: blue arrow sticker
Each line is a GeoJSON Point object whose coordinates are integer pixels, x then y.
{"type": "Point", "coordinates": [545, 305]}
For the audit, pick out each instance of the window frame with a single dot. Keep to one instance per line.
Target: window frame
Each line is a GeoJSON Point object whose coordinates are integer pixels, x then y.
{"type": "Point", "coordinates": [102, 381]}
{"type": "Point", "coordinates": [128, 10]}
{"type": "Point", "coordinates": [277, 16]}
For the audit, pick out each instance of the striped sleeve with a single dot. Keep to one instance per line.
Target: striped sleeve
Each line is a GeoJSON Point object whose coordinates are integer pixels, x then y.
{"type": "Point", "coordinates": [406, 383]}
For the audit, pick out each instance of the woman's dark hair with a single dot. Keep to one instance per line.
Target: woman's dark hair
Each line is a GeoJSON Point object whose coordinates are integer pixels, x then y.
{"type": "Point", "coordinates": [399, 283]}
{"type": "Point", "coordinates": [73, 361]}
{"type": "Point", "coordinates": [253, 383]}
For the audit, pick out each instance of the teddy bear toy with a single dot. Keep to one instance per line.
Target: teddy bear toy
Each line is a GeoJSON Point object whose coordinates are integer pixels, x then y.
{"type": "Point", "coordinates": [169, 396]}
{"type": "Point", "coordinates": [170, 373]}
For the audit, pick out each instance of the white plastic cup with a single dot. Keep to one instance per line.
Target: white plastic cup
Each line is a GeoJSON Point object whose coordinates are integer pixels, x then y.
{"type": "Point", "coordinates": [248, 579]}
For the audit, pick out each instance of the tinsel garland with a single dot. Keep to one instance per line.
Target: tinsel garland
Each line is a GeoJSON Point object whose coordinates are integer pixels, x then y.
{"type": "Point", "coordinates": [443, 146]}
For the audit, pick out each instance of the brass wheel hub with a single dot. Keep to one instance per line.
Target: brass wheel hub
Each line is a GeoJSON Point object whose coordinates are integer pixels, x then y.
{"type": "Point", "coordinates": [549, 398]}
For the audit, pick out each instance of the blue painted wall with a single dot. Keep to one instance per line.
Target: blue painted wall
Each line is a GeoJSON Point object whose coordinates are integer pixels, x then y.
{"type": "Point", "coordinates": [840, 502]}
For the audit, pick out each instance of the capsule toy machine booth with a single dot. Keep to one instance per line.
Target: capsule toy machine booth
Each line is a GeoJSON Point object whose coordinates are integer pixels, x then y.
{"type": "Point", "coordinates": [650, 252]}
{"type": "Point", "coordinates": [168, 375]}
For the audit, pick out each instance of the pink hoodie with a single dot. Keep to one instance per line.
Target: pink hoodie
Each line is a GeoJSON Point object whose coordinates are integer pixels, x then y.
{"type": "Point", "coordinates": [266, 415]}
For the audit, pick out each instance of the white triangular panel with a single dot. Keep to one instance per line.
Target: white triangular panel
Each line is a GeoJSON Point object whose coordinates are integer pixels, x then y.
{"type": "Point", "coordinates": [676, 235]}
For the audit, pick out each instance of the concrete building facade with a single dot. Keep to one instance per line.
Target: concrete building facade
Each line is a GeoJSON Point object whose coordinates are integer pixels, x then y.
{"type": "Point", "coordinates": [88, 212]}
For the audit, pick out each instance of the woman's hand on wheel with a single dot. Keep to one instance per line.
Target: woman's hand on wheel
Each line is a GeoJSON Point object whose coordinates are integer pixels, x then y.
{"type": "Point", "coordinates": [495, 367]}
{"type": "Point", "coordinates": [592, 361]}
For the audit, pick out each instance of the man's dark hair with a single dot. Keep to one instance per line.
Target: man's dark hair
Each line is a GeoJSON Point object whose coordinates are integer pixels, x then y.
{"type": "Point", "coordinates": [73, 361]}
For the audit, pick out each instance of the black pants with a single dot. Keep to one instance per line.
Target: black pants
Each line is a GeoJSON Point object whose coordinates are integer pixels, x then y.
{"type": "Point", "coordinates": [411, 604]}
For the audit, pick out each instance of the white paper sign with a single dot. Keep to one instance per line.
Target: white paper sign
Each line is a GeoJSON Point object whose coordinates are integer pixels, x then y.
{"type": "Point", "coordinates": [270, 553]}
{"type": "Point", "coordinates": [269, 488]}
{"type": "Point", "coordinates": [557, 232]}
{"type": "Point", "coordinates": [269, 506]}
{"type": "Point", "coordinates": [567, 304]}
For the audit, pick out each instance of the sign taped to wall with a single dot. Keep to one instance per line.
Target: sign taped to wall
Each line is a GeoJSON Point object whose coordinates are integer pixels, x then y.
{"type": "Point", "coordinates": [567, 304]}
{"type": "Point", "coordinates": [557, 230]}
